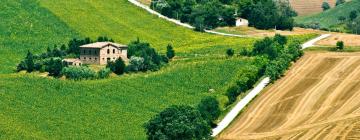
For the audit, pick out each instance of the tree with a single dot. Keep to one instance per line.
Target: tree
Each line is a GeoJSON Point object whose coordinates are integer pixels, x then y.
{"type": "Point", "coordinates": [118, 67]}
{"type": "Point", "coordinates": [178, 122]}
{"type": "Point", "coordinates": [230, 52]}
{"type": "Point", "coordinates": [209, 109]}
{"type": "Point", "coordinates": [282, 40]}
{"type": "Point", "coordinates": [338, 2]}
{"type": "Point", "coordinates": [264, 15]}
{"type": "Point", "coordinates": [341, 18]}
{"type": "Point", "coordinates": [104, 73]}
{"type": "Point", "coordinates": [170, 53]}
{"type": "Point", "coordinates": [325, 6]}
{"type": "Point", "coordinates": [152, 60]}
{"type": "Point", "coordinates": [136, 64]}
{"type": "Point", "coordinates": [54, 67]}
{"type": "Point", "coordinates": [353, 15]}
{"type": "Point", "coordinates": [29, 61]}
{"type": "Point", "coordinates": [340, 45]}
{"type": "Point", "coordinates": [232, 93]}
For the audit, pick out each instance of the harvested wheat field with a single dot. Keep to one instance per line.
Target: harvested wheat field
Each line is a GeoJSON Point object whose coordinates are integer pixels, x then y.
{"type": "Point", "coordinates": [319, 98]}
{"type": "Point", "coordinates": [307, 7]}
{"type": "Point", "coordinates": [349, 40]}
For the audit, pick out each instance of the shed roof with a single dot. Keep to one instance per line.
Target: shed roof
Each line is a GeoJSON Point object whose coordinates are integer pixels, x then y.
{"type": "Point", "coordinates": [102, 44]}
{"type": "Point", "coordinates": [72, 60]}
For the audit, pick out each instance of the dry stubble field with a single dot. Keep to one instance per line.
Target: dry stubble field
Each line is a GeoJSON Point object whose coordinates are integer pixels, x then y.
{"type": "Point", "coordinates": [319, 98]}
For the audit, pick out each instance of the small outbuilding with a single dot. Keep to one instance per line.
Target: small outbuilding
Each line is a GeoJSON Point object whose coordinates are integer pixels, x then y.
{"type": "Point", "coordinates": [241, 22]}
{"type": "Point", "coordinates": [73, 61]}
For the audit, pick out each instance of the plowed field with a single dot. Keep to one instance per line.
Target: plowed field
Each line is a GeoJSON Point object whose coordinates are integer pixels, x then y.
{"type": "Point", "coordinates": [319, 98]}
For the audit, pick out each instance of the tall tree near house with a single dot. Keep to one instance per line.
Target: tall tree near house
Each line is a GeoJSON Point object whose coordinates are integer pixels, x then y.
{"type": "Point", "coordinates": [118, 67]}
{"type": "Point", "coordinates": [29, 61]}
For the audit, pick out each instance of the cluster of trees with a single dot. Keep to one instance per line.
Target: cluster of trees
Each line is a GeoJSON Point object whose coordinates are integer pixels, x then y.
{"type": "Point", "coordinates": [142, 58]}
{"type": "Point", "coordinates": [184, 122]}
{"type": "Point", "coordinates": [280, 55]}
{"type": "Point", "coordinates": [203, 14]}
{"type": "Point", "coordinates": [352, 21]}
{"type": "Point", "coordinates": [51, 64]}
{"type": "Point", "coordinates": [269, 14]}
{"type": "Point", "coordinates": [74, 44]}
{"type": "Point", "coordinates": [209, 14]}
{"type": "Point", "coordinates": [273, 58]}
{"type": "Point", "coordinates": [244, 82]}
{"type": "Point", "coordinates": [53, 56]}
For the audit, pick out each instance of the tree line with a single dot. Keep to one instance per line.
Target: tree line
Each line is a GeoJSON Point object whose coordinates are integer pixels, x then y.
{"type": "Point", "coordinates": [273, 56]}
{"type": "Point", "coordinates": [210, 14]}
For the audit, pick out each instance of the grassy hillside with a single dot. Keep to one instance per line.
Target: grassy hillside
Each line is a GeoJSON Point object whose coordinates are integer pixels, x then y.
{"type": "Point", "coordinates": [42, 108]}
{"type": "Point", "coordinates": [330, 17]}
{"type": "Point", "coordinates": [112, 108]}
{"type": "Point", "coordinates": [27, 26]}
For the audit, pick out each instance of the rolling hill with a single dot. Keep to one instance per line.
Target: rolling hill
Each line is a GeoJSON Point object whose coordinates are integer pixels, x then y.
{"type": "Point", "coordinates": [330, 17]}
{"type": "Point", "coordinates": [308, 7]}
{"type": "Point", "coordinates": [35, 107]}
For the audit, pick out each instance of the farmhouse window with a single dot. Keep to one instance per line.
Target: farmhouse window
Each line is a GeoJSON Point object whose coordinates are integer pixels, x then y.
{"type": "Point", "coordinates": [113, 50]}
{"type": "Point", "coordinates": [108, 51]}
{"type": "Point", "coordinates": [84, 58]}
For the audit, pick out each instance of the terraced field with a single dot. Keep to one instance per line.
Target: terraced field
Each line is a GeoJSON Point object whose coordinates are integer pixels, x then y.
{"type": "Point", "coordinates": [307, 7]}
{"type": "Point", "coordinates": [317, 99]}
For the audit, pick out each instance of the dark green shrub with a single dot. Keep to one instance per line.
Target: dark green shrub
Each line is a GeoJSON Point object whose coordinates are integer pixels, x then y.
{"type": "Point", "coordinates": [118, 67]}
{"type": "Point", "coordinates": [151, 59]}
{"type": "Point", "coordinates": [54, 66]}
{"type": "Point", "coordinates": [104, 73]}
{"type": "Point", "coordinates": [232, 93]}
{"type": "Point", "coordinates": [230, 52]}
{"type": "Point", "coordinates": [170, 53]}
{"type": "Point", "coordinates": [325, 6]}
{"type": "Point", "coordinates": [209, 109]}
{"type": "Point", "coordinates": [180, 123]}
{"type": "Point", "coordinates": [340, 45]}
{"type": "Point", "coordinates": [79, 73]}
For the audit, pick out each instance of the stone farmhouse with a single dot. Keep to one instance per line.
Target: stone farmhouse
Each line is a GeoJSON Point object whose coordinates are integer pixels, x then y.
{"type": "Point", "coordinates": [102, 52]}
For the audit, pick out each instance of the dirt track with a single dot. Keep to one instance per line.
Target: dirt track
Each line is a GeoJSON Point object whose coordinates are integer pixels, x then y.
{"type": "Point", "coordinates": [319, 98]}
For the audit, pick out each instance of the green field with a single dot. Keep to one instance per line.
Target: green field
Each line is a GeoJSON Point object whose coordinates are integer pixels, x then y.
{"type": "Point", "coordinates": [35, 107]}
{"type": "Point", "coordinates": [330, 17]}
{"type": "Point", "coordinates": [43, 108]}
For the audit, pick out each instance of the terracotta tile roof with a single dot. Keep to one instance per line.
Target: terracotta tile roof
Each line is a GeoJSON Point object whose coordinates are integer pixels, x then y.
{"type": "Point", "coordinates": [102, 44]}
